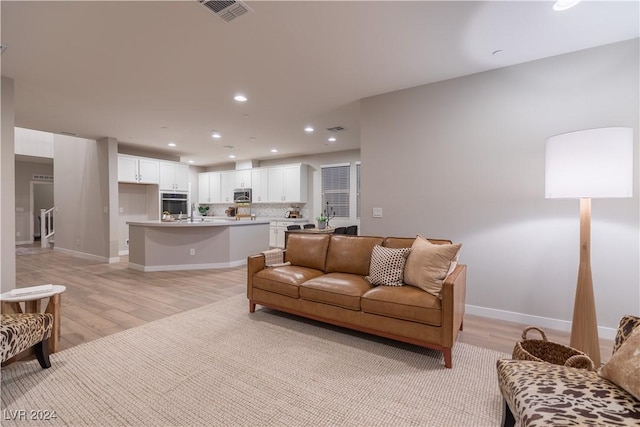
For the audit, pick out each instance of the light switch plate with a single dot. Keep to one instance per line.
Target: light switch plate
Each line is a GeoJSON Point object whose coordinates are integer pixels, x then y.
{"type": "Point", "coordinates": [377, 212]}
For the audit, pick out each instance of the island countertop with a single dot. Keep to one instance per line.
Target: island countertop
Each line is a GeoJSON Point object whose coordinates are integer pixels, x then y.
{"type": "Point", "coordinates": [199, 222]}
{"type": "Point", "coordinates": [202, 244]}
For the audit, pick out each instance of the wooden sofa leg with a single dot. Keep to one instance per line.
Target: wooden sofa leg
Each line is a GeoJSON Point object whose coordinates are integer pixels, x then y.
{"type": "Point", "coordinates": [252, 307]}
{"type": "Point", "coordinates": [447, 357]}
{"type": "Point", "coordinates": [508, 420]}
{"type": "Point", "coordinates": [42, 353]}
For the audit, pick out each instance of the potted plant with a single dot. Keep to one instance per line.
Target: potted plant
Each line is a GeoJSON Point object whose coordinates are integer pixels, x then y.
{"type": "Point", "coordinates": [322, 221]}
{"type": "Point", "coordinates": [203, 210]}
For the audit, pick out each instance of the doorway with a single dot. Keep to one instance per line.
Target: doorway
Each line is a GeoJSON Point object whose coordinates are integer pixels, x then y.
{"type": "Point", "coordinates": [41, 198]}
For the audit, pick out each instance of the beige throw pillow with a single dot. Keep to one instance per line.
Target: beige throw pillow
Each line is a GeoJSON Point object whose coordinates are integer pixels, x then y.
{"type": "Point", "coordinates": [623, 368]}
{"type": "Point", "coordinates": [428, 264]}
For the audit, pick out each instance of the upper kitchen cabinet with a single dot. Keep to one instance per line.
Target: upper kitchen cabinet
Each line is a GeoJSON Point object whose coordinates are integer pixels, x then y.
{"type": "Point", "coordinates": [137, 170]}
{"type": "Point", "coordinates": [260, 185]}
{"type": "Point", "coordinates": [288, 184]}
{"type": "Point", "coordinates": [174, 176]}
{"type": "Point", "coordinates": [209, 187]}
{"type": "Point", "coordinates": [230, 180]}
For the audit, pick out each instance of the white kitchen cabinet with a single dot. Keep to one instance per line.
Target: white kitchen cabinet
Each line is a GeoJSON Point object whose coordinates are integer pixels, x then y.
{"type": "Point", "coordinates": [288, 184]}
{"type": "Point", "coordinates": [209, 187]}
{"type": "Point", "coordinates": [174, 176]}
{"type": "Point", "coordinates": [137, 170]}
{"type": "Point", "coordinates": [243, 178]}
{"type": "Point", "coordinates": [227, 185]}
{"type": "Point", "coordinates": [260, 185]}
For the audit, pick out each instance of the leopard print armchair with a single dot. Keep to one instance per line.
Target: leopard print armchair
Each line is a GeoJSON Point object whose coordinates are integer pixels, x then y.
{"type": "Point", "coordinates": [545, 394]}
{"type": "Point", "coordinates": [19, 332]}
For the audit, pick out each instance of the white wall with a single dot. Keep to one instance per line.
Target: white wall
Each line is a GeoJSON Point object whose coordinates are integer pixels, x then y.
{"type": "Point", "coordinates": [7, 184]}
{"type": "Point", "coordinates": [464, 159]}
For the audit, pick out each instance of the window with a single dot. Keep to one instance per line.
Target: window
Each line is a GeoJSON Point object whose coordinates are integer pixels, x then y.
{"type": "Point", "coordinates": [336, 189]}
{"type": "Point", "coordinates": [358, 190]}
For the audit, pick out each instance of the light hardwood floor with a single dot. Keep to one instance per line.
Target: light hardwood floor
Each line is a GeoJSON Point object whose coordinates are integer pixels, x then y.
{"type": "Point", "coordinates": [102, 299]}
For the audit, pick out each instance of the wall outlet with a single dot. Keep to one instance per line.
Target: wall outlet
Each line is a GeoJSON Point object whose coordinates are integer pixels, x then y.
{"type": "Point", "coordinates": [121, 210]}
{"type": "Point", "coordinates": [377, 212]}
{"type": "Point", "coordinates": [18, 234]}
{"type": "Point", "coordinates": [192, 251]}
{"type": "Point", "coordinates": [126, 242]}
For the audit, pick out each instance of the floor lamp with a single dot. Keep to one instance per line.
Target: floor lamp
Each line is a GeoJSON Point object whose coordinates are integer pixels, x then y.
{"type": "Point", "coordinates": [594, 163]}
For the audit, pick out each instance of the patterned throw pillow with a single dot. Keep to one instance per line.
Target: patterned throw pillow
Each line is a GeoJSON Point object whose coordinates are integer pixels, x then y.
{"type": "Point", "coordinates": [387, 266]}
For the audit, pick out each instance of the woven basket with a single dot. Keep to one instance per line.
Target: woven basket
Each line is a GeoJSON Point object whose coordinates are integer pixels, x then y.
{"type": "Point", "coordinates": [546, 351]}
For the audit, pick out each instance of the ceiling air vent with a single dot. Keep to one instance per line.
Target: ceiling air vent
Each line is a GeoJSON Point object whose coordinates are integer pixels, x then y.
{"type": "Point", "coordinates": [227, 10]}
{"type": "Point", "coordinates": [335, 129]}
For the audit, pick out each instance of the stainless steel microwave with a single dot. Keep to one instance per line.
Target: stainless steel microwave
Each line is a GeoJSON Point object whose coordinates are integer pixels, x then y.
{"type": "Point", "coordinates": [242, 195]}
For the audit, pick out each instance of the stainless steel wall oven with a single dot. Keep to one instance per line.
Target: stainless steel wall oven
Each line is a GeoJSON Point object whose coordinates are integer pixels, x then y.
{"type": "Point", "coordinates": [175, 203]}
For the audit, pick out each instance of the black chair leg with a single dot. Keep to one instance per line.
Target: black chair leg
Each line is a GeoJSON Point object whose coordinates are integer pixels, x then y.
{"type": "Point", "coordinates": [507, 417]}
{"type": "Point", "coordinates": [42, 353]}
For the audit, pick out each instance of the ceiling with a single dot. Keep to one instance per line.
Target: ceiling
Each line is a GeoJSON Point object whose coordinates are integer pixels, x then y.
{"type": "Point", "coordinates": [149, 73]}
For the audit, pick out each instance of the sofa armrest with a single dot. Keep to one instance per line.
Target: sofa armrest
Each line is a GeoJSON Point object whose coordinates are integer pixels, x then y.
{"type": "Point", "coordinates": [255, 263]}
{"type": "Point", "coordinates": [454, 292]}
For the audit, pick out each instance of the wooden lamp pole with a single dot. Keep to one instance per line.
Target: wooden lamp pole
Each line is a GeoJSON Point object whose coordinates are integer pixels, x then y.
{"type": "Point", "coordinates": [584, 328]}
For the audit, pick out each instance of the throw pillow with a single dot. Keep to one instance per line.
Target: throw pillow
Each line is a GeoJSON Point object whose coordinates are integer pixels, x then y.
{"type": "Point", "coordinates": [623, 368]}
{"type": "Point", "coordinates": [387, 266]}
{"type": "Point", "coordinates": [428, 264]}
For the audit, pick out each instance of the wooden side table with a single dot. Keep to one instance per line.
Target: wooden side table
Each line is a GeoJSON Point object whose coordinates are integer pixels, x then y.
{"type": "Point", "coordinates": [32, 304]}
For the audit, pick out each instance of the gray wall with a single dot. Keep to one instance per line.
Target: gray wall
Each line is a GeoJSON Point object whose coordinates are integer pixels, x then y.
{"type": "Point", "coordinates": [464, 159]}
{"type": "Point", "coordinates": [85, 191]}
{"type": "Point", "coordinates": [7, 183]}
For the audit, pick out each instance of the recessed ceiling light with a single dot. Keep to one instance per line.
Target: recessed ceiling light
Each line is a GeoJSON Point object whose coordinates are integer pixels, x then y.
{"type": "Point", "coordinates": [240, 98]}
{"type": "Point", "coordinates": [564, 4]}
{"type": "Point", "coordinates": [308, 129]}
{"type": "Point", "coordinates": [332, 139]}
{"type": "Point", "coordinates": [172, 144]}
{"type": "Point", "coordinates": [216, 134]}
{"type": "Point", "coordinates": [191, 161]}
{"type": "Point", "coordinates": [231, 156]}
{"type": "Point", "coordinates": [274, 150]}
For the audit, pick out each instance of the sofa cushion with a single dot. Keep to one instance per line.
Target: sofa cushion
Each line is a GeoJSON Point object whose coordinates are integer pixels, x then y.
{"type": "Point", "coordinates": [341, 289]}
{"type": "Point", "coordinates": [428, 264]}
{"type": "Point", "coordinates": [624, 366]}
{"type": "Point", "coordinates": [387, 266]}
{"type": "Point", "coordinates": [307, 250]}
{"type": "Point", "coordinates": [284, 280]}
{"type": "Point", "coordinates": [406, 303]}
{"type": "Point", "coordinates": [546, 394]}
{"type": "Point", "coordinates": [350, 254]}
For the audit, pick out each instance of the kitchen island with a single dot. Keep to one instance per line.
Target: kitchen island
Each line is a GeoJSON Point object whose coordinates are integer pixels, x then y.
{"type": "Point", "coordinates": [201, 244]}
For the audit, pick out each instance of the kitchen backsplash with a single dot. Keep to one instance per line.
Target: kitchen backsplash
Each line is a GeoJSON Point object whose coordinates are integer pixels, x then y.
{"type": "Point", "coordinates": [263, 210]}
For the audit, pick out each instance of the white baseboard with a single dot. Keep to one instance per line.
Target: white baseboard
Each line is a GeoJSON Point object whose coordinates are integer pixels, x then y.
{"type": "Point", "coordinates": [147, 268]}
{"type": "Point", "coordinates": [82, 254]}
{"type": "Point", "coordinates": [124, 252]}
{"type": "Point", "coordinates": [24, 242]}
{"type": "Point", "coordinates": [543, 322]}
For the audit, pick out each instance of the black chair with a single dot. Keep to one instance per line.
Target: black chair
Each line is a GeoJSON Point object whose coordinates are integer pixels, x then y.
{"type": "Point", "coordinates": [293, 227]}
{"type": "Point", "coordinates": [309, 226]}
{"type": "Point", "coordinates": [352, 230]}
{"type": "Point", "coordinates": [340, 230]}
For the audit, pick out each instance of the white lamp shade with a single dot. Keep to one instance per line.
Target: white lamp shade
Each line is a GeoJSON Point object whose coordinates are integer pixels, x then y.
{"type": "Point", "coordinates": [590, 163]}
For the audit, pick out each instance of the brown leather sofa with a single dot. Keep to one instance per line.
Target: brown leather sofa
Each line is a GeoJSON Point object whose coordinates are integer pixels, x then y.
{"type": "Point", "coordinates": [326, 281]}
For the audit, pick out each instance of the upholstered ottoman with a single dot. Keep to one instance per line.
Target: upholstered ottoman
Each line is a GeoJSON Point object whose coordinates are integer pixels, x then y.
{"type": "Point", "coordinates": [19, 332]}
{"type": "Point", "coordinates": [546, 394]}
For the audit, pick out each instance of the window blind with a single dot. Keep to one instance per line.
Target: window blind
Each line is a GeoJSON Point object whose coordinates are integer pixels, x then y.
{"type": "Point", "coordinates": [336, 189]}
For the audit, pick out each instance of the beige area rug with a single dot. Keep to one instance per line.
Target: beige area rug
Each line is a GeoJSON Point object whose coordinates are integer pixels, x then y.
{"type": "Point", "coordinates": [221, 366]}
